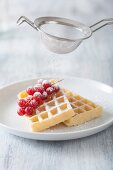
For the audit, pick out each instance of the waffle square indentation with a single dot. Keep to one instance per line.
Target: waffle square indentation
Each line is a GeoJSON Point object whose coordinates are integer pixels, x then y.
{"type": "Point", "coordinates": [60, 100]}
{"type": "Point", "coordinates": [58, 94]}
{"type": "Point", "coordinates": [71, 100]}
{"type": "Point", "coordinates": [41, 108]}
{"type": "Point", "coordinates": [78, 103]}
{"type": "Point", "coordinates": [78, 110]}
{"type": "Point", "coordinates": [78, 97]}
{"type": "Point", "coordinates": [51, 103]}
{"type": "Point", "coordinates": [44, 115]}
{"type": "Point", "coordinates": [54, 111]}
{"type": "Point", "coordinates": [63, 106]}
{"type": "Point", "coordinates": [34, 118]}
{"type": "Point", "coordinates": [87, 108]}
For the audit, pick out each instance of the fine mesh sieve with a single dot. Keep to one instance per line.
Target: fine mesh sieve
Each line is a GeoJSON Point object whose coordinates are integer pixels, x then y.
{"type": "Point", "coordinates": [61, 35]}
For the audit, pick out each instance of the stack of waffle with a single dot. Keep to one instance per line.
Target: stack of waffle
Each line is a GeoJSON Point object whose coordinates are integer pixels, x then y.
{"type": "Point", "coordinates": [64, 107]}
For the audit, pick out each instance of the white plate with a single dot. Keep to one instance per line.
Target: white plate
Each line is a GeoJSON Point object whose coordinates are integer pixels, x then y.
{"type": "Point", "coordinates": [17, 125]}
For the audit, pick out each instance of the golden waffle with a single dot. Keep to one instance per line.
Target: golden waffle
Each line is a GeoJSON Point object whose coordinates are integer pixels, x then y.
{"type": "Point", "coordinates": [84, 109]}
{"type": "Point", "coordinates": [52, 112]}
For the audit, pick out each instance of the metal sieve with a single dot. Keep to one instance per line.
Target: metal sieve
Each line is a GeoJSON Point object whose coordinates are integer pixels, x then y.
{"type": "Point", "coordinates": [61, 35]}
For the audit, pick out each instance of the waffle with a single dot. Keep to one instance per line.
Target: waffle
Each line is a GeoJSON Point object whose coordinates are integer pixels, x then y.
{"type": "Point", "coordinates": [84, 109]}
{"type": "Point", "coordinates": [23, 94]}
{"type": "Point", "coordinates": [54, 111]}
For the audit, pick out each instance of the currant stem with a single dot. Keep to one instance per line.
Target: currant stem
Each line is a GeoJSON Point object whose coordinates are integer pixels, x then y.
{"type": "Point", "coordinates": [57, 81]}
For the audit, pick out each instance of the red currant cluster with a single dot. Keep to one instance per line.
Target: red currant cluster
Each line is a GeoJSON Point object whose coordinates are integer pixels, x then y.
{"type": "Point", "coordinates": [37, 95]}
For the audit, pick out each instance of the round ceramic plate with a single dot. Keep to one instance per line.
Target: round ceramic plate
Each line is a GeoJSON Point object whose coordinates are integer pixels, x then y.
{"type": "Point", "coordinates": [97, 92]}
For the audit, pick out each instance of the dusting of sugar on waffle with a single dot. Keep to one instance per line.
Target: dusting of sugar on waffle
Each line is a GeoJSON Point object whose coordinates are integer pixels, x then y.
{"type": "Point", "coordinates": [54, 111]}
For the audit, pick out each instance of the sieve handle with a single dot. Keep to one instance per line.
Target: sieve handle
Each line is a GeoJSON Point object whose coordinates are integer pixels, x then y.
{"type": "Point", "coordinates": [25, 19]}
{"type": "Point", "coordinates": [101, 24]}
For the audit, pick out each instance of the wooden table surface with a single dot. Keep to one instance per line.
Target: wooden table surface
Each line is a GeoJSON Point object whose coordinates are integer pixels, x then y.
{"type": "Point", "coordinates": [23, 56]}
